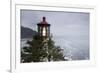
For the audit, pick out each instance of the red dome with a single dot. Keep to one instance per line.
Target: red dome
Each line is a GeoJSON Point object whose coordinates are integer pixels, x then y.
{"type": "Point", "coordinates": [44, 22]}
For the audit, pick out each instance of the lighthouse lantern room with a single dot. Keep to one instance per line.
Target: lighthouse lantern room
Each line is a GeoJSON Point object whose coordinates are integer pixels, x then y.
{"type": "Point", "coordinates": [44, 28]}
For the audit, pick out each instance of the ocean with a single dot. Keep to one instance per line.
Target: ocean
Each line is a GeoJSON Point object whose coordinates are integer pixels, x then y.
{"type": "Point", "coordinates": [73, 49]}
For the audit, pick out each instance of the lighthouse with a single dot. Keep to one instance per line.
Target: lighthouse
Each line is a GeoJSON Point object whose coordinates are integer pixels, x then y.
{"type": "Point", "coordinates": [44, 28]}
{"type": "Point", "coordinates": [44, 34]}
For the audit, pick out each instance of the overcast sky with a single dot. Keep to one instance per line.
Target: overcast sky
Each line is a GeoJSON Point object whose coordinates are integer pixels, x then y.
{"type": "Point", "coordinates": [69, 29]}
{"type": "Point", "coordinates": [62, 23]}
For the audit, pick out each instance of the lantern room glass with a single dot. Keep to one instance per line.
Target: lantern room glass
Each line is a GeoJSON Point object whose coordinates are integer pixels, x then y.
{"type": "Point", "coordinates": [44, 31]}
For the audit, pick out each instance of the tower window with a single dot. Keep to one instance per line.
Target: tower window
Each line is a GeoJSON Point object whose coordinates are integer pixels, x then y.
{"type": "Point", "coordinates": [44, 31]}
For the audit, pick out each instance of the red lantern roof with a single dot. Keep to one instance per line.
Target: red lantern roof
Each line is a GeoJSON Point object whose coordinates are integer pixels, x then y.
{"type": "Point", "coordinates": [44, 22]}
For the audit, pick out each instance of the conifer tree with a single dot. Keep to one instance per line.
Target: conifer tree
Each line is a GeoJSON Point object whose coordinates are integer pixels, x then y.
{"type": "Point", "coordinates": [35, 51]}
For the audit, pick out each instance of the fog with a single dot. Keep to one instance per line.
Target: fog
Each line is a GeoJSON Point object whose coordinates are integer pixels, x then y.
{"type": "Point", "coordinates": [70, 30]}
